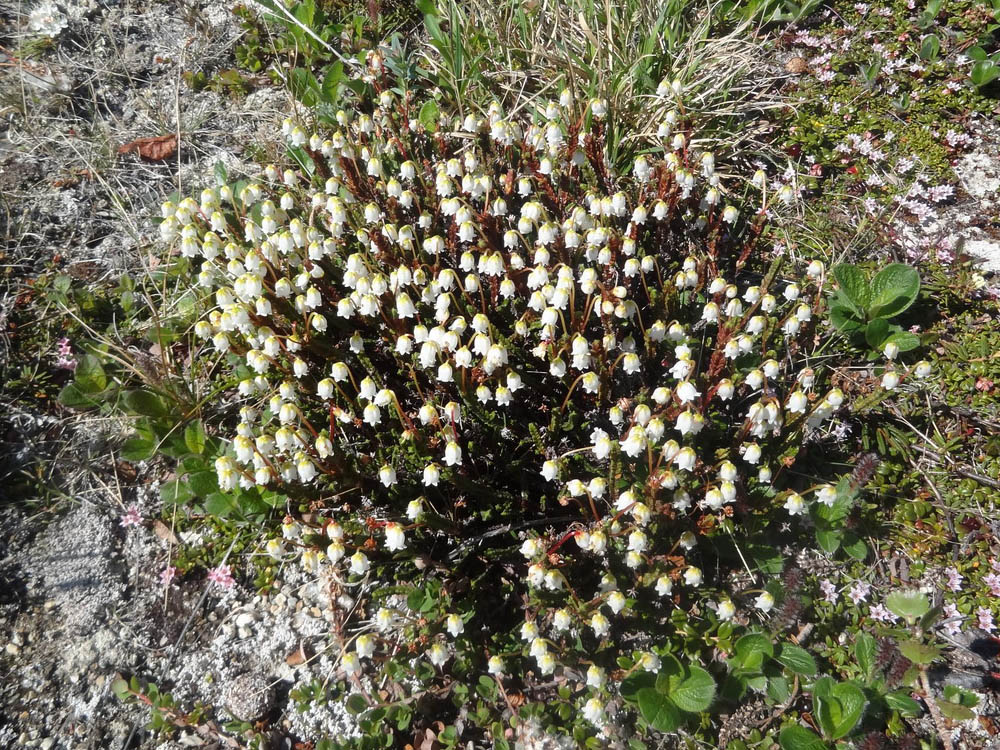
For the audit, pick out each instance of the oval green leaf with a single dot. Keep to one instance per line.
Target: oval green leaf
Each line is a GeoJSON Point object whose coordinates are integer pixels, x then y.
{"type": "Point", "coordinates": [797, 659]}
{"type": "Point", "coordinates": [658, 710]}
{"type": "Point", "coordinates": [696, 692]}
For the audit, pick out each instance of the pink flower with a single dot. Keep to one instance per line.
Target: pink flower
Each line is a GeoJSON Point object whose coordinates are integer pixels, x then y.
{"type": "Point", "coordinates": [954, 579]}
{"type": "Point", "coordinates": [829, 590]}
{"type": "Point", "coordinates": [985, 620]}
{"type": "Point", "coordinates": [859, 592]}
{"type": "Point", "coordinates": [132, 517]}
{"type": "Point", "coordinates": [221, 576]}
{"type": "Point", "coordinates": [879, 613]}
{"type": "Point", "coordinates": [167, 575]}
{"type": "Point", "coordinates": [64, 355]}
{"type": "Point", "coordinates": [993, 581]}
{"type": "Point", "coordinates": [952, 623]}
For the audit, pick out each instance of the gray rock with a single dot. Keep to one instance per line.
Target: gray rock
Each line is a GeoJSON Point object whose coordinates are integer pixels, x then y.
{"type": "Point", "coordinates": [249, 697]}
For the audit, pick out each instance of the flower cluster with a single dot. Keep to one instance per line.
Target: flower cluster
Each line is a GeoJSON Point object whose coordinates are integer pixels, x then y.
{"type": "Point", "coordinates": [476, 321]}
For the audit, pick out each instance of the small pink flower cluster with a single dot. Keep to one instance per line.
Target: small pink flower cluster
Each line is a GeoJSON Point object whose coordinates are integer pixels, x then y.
{"type": "Point", "coordinates": [64, 355]}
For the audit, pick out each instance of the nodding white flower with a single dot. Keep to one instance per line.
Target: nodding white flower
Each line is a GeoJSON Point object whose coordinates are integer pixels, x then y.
{"type": "Point", "coordinates": [616, 601]}
{"type": "Point", "coordinates": [795, 505]}
{"type": "Point", "coordinates": [598, 108]}
{"type": "Point", "coordinates": [365, 645]}
{"type": "Point", "coordinates": [710, 314]}
{"type": "Point", "coordinates": [350, 663]}
{"type": "Point", "coordinates": [593, 711]}
{"type": "Point", "coordinates": [495, 665]}
{"type": "Point", "coordinates": [751, 452]}
{"type": "Point", "coordinates": [891, 350]}
{"type": "Point", "coordinates": [359, 563]}
{"type": "Point", "coordinates": [692, 576]}
{"type": "Point", "coordinates": [826, 494]}
{"type": "Point", "coordinates": [835, 397]}
{"type": "Point", "coordinates": [664, 586]}
{"type": "Point", "coordinates": [596, 678]}
{"type": "Point", "coordinates": [529, 631]}
{"type": "Point", "coordinates": [437, 654]}
{"type": "Point", "coordinates": [686, 392]}
{"type": "Point", "coordinates": [385, 619]}
{"type": "Point", "coordinates": [725, 389]}
{"type": "Point", "coordinates": [922, 369]}
{"type": "Point", "coordinates": [797, 402]}
{"type": "Point", "coordinates": [768, 303]}
{"type": "Point", "coordinates": [600, 625]}
{"type": "Point", "coordinates": [394, 538]}
{"type": "Point", "coordinates": [432, 474]}
{"type": "Point", "coordinates": [550, 470]}
{"type": "Point", "coordinates": [561, 620]}
{"type": "Point", "coordinates": [531, 548]}
{"type": "Point", "coordinates": [685, 459]}
{"type": "Point", "coordinates": [764, 602]}
{"type": "Point", "coordinates": [730, 214]}
{"type": "Point", "coordinates": [890, 380]}
{"type": "Point", "coordinates": [453, 454]}
{"type": "Point", "coordinates": [454, 625]}
{"type": "Point", "coordinates": [650, 662]}
{"type": "Point", "coordinates": [815, 269]}
{"type": "Point", "coordinates": [630, 363]}
{"type": "Point", "coordinates": [726, 610]}
{"type": "Point", "coordinates": [335, 551]}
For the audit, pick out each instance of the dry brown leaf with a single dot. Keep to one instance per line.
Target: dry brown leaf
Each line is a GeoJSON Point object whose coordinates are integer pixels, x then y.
{"type": "Point", "coordinates": [163, 531]}
{"type": "Point", "coordinates": [156, 148]}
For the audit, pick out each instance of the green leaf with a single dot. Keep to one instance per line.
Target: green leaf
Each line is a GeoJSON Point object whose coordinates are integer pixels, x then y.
{"type": "Point", "coordinates": [89, 375]}
{"type": "Point", "coordinates": [796, 737]}
{"type": "Point", "coordinates": [72, 397]}
{"type": "Point", "coordinates": [829, 540]}
{"type": "Point", "coordinates": [221, 174]}
{"type": "Point", "coordinates": [670, 675]}
{"type": "Point", "coordinates": [893, 289]}
{"type": "Point", "coordinates": [194, 436]}
{"type": "Point", "coordinates": [696, 692]}
{"type": "Point", "coordinates": [865, 649]}
{"type": "Point", "coordinates": [840, 710]}
{"type": "Point", "coordinates": [658, 710]}
{"type": "Point", "coordinates": [930, 47]}
{"type": "Point", "coordinates": [220, 504]}
{"type": "Point", "coordinates": [330, 90]}
{"type": "Point", "coordinates": [796, 659]}
{"type": "Point", "coordinates": [854, 546]}
{"type": "Point", "coordinates": [204, 483]}
{"type": "Point", "coordinates": [910, 605]}
{"type": "Point", "coordinates": [144, 403]}
{"type": "Point", "coordinates": [429, 116]}
{"type": "Point", "coordinates": [984, 72]}
{"type": "Point", "coordinates": [843, 316]}
{"type": "Point", "coordinates": [632, 684]}
{"type": "Point", "coordinates": [138, 448]}
{"type": "Point", "coordinates": [955, 711]}
{"type": "Point", "coordinates": [854, 287]}
{"type": "Point", "coordinates": [777, 690]}
{"type": "Point", "coordinates": [905, 340]}
{"type": "Point", "coordinates": [751, 649]}
{"type": "Point", "coordinates": [876, 332]}
{"type": "Point", "coordinates": [120, 688]}
{"type": "Point", "coordinates": [356, 704]}
{"type": "Point", "coordinates": [919, 653]}
{"type": "Point", "coordinates": [901, 701]}
{"type": "Point", "coordinates": [175, 491]}
{"type": "Point", "coordinates": [304, 86]}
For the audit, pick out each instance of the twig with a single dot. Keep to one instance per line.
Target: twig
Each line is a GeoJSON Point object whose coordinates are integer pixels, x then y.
{"type": "Point", "coordinates": [935, 712]}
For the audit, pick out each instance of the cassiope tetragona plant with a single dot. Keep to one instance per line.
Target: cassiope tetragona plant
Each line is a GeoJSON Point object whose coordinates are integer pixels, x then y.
{"type": "Point", "coordinates": [472, 344]}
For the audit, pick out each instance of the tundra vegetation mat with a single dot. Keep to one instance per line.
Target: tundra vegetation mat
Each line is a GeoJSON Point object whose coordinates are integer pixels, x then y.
{"type": "Point", "coordinates": [499, 374]}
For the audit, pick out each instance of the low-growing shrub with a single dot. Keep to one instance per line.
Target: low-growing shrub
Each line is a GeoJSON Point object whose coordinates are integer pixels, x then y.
{"type": "Point", "coordinates": [533, 419]}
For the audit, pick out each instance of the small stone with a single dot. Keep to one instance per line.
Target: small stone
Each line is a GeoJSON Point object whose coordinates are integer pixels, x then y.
{"type": "Point", "coordinates": [797, 66]}
{"type": "Point", "coordinates": [47, 743]}
{"type": "Point", "coordinates": [249, 697]}
{"type": "Point", "coordinates": [244, 619]}
{"type": "Point", "coordinates": [243, 633]}
{"type": "Point", "coordinates": [13, 649]}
